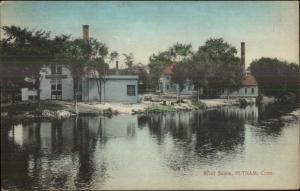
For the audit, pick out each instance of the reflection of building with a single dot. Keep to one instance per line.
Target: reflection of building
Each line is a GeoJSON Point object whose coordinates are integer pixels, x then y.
{"type": "Point", "coordinates": [250, 112]}
{"type": "Point", "coordinates": [65, 135]}
{"type": "Point", "coordinates": [46, 135]}
{"type": "Point", "coordinates": [121, 126]}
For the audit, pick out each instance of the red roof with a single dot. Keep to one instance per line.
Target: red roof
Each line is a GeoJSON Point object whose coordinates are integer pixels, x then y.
{"type": "Point", "coordinates": [168, 70]}
{"type": "Point", "coordinates": [249, 80]}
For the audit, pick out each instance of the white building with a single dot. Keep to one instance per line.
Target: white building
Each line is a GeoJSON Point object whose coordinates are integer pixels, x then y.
{"type": "Point", "coordinates": [57, 84]}
{"type": "Point", "coordinates": [112, 88]}
{"type": "Point", "coordinates": [249, 88]}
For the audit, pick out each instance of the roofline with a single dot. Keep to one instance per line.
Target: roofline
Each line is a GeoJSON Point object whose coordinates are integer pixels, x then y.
{"type": "Point", "coordinates": [117, 77]}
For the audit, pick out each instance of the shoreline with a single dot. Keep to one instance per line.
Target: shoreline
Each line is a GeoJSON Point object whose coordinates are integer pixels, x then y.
{"type": "Point", "coordinates": [50, 109]}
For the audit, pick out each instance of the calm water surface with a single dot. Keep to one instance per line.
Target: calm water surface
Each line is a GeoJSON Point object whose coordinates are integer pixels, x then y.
{"type": "Point", "coordinates": [165, 151]}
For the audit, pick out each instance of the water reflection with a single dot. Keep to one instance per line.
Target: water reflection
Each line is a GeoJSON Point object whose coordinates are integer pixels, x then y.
{"type": "Point", "coordinates": [196, 136]}
{"type": "Point", "coordinates": [91, 152]}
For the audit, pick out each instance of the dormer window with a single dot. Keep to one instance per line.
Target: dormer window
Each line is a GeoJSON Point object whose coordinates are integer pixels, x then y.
{"type": "Point", "coordinates": [56, 69]}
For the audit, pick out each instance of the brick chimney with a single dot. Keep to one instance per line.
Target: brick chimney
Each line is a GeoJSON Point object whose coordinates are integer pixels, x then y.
{"type": "Point", "coordinates": [243, 56]}
{"type": "Point", "coordinates": [117, 68]}
{"type": "Point", "coordinates": [85, 32]}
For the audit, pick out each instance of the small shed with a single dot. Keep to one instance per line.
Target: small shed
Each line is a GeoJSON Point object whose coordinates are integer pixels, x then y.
{"type": "Point", "coordinates": [111, 88]}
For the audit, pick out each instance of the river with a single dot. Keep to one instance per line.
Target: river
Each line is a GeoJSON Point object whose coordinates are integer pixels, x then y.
{"type": "Point", "coordinates": [231, 147]}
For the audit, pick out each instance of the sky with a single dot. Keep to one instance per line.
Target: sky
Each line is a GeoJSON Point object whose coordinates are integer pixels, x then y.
{"type": "Point", "coordinates": [269, 29]}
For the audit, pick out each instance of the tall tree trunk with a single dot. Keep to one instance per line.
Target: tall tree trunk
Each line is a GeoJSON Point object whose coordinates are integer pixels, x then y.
{"type": "Point", "coordinates": [75, 103]}
{"type": "Point", "coordinates": [179, 92]}
{"type": "Point", "coordinates": [198, 93]}
{"type": "Point", "coordinates": [159, 88]}
{"type": "Point", "coordinates": [98, 82]}
{"type": "Point", "coordinates": [37, 85]}
{"type": "Point", "coordinates": [13, 97]}
{"type": "Point", "coordinates": [76, 96]}
{"type": "Point", "coordinates": [99, 89]}
{"type": "Point", "coordinates": [228, 90]}
{"type": "Point", "coordinates": [38, 98]}
{"type": "Point", "coordinates": [104, 91]}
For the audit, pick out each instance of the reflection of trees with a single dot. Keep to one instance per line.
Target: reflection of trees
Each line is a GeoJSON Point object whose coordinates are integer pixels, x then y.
{"type": "Point", "coordinates": [220, 130]}
{"type": "Point", "coordinates": [275, 110]}
{"type": "Point", "coordinates": [86, 147]}
{"type": "Point", "coordinates": [45, 149]}
{"type": "Point", "coordinates": [270, 122]}
{"type": "Point", "coordinates": [177, 124]}
{"type": "Point", "coordinates": [215, 132]}
{"type": "Point", "coordinates": [197, 134]}
{"type": "Point", "coordinates": [14, 161]}
{"type": "Point", "coordinates": [155, 123]}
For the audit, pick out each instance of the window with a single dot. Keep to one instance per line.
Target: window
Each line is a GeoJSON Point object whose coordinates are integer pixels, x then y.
{"type": "Point", "coordinates": [59, 69]}
{"type": "Point", "coordinates": [245, 90]}
{"type": "Point", "coordinates": [167, 87]}
{"type": "Point", "coordinates": [252, 90]}
{"type": "Point", "coordinates": [56, 88]}
{"type": "Point", "coordinates": [53, 69]}
{"type": "Point", "coordinates": [130, 90]}
{"type": "Point", "coordinates": [56, 69]}
{"type": "Point", "coordinates": [32, 97]}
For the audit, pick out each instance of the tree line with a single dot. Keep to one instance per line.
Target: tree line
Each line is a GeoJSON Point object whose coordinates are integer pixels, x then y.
{"type": "Point", "coordinates": [212, 67]}
{"type": "Point", "coordinates": [216, 66]}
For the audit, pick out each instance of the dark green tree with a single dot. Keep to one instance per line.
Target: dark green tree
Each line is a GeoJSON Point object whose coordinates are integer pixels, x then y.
{"type": "Point", "coordinates": [181, 73]}
{"type": "Point", "coordinates": [276, 77]}
{"type": "Point", "coordinates": [175, 54]}
{"type": "Point", "coordinates": [221, 64]}
{"type": "Point", "coordinates": [128, 60]}
{"type": "Point", "coordinates": [98, 65]}
{"type": "Point", "coordinates": [26, 52]}
{"type": "Point", "coordinates": [157, 64]}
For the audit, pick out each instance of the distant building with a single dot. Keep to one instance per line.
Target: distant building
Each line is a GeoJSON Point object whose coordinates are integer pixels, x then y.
{"type": "Point", "coordinates": [113, 88]}
{"type": "Point", "coordinates": [249, 85]}
{"type": "Point", "coordinates": [249, 88]}
{"type": "Point", "coordinates": [168, 87]}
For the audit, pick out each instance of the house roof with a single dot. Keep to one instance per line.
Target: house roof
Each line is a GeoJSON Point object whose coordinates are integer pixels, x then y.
{"type": "Point", "coordinates": [249, 80]}
{"type": "Point", "coordinates": [169, 69]}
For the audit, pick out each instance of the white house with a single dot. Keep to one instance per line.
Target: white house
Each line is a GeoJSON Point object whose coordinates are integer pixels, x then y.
{"type": "Point", "coordinates": [56, 84]}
